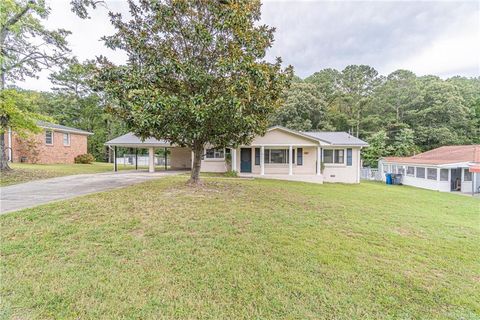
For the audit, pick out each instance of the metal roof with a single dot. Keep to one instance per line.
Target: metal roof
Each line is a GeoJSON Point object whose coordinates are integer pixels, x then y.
{"type": "Point", "coordinates": [336, 138]}
{"type": "Point", "coordinates": [132, 141]}
{"type": "Point", "coordinates": [58, 127]}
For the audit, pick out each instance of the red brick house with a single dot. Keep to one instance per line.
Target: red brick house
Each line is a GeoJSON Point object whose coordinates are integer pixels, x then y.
{"type": "Point", "coordinates": [55, 144]}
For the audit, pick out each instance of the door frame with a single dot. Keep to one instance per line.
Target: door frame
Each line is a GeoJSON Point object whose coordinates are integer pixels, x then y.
{"type": "Point", "coordinates": [241, 159]}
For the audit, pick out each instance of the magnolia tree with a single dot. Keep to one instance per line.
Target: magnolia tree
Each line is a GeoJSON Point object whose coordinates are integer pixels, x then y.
{"type": "Point", "coordinates": [195, 74]}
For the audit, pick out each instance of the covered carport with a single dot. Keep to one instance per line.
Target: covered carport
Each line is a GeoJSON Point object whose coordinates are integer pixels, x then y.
{"type": "Point", "coordinates": [180, 157]}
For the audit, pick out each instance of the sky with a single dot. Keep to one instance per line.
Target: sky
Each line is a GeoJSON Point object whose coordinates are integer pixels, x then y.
{"type": "Point", "coordinates": [427, 37]}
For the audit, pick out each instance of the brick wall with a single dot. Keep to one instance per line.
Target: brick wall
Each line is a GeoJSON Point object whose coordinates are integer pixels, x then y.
{"type": "Point", "coordinates": [55, 153]}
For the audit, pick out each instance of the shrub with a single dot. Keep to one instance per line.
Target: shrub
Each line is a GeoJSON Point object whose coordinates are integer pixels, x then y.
{"type": "Point", "coordinates": [86, 158]}
{"type": "Point", "coordinates": [231, 173]}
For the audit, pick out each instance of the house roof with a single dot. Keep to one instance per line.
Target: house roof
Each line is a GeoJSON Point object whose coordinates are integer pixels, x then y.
{"type": "Point", "coordinates": [58, 127]}
{"type": "Point", "coordinates": [442, 155]}
{"type": "Point", "coordinates": [332, 138]}
{"type": "Point", "coordinates": [336, 138]}
{"type": "Point", "coordinates": [131, 140]}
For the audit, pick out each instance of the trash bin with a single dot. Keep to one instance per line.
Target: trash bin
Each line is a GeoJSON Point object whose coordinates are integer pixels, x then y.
{"type": "Point", "coordinates": [388, 179]}
{"type": "Point", "coordinates": [397, 179]}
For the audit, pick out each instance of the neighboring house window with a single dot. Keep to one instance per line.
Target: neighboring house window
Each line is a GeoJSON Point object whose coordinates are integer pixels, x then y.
{"type": "Point", "coordinates": [328, 156]}
{"type": "Point", "coordinates": [420, 172]}
{"type": "Point", "coordinates": [349, 157]}
{"type": "Point", "coordinates": [467, 175]}
{"type": "Point", "coordinates": [66, 139]}
{"type": "Point", "coordinates": [339, 156]}
{"type": "Point", "coordinates": [257, 156]}
{"type": "Point", "coordinates": [49, 137]}
{"type": "Point", "coordinates": [215, 153]}
{"type": "Point", "coordinates": [401, 169]}
{"type": "Point", "coordinates": [443, 174]}
{"type": "Point", "coordinates": [432, 174]}
{"type": "Point", "coordinates": [394, 168]}
{"type": "Point", "coordinates": [410, 171]}
{"type": "Point", "coordinates": [299, 156]}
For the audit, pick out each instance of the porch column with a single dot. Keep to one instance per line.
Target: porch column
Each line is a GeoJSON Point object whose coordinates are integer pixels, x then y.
{"type": "Point", "coordinates": [319, 160]}
{"type": "Point", "coordinates": [290, 160]}
{"type": "Point", "coordinates": [151, 160]}
{"type": "Point", "coordinates": [233, 151]}
{"type": "Point", "coordinates": [262, 160]}
{"type": "Point", "coordinates": [115, 159]}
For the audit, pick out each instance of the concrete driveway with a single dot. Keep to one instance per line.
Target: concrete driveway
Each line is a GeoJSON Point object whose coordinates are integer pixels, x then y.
{"type": "Point", "coordinates": [31, 194]}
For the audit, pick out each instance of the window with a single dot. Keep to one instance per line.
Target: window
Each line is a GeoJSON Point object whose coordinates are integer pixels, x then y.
{"type": "Point", "coordinates": [443, 174]}
{"type": "Point", "coordinates": [327, 156]}
{"type": "Point", "coordinates": [420, 172]}
{"type": "Point", "coordinates": [349, 157]}
{"type": "Point", "coordinates": [49, 137]}
{"type": "Point", "coordinates": [410, 171]}
{"type": "Point", "coordinates": [394, 168]}
{"type": "Point", "coordinates": [339, 156]}
{"type": "Point", "coordinates": [278, 156]}
{"type": "Point", "coordinates": [257, 156]}
{"type": "Point", "coordinates": [66, 139]}
{"type": "Point", "coordinates": [299, 156]}
{"type": "Point", "coordinates": [401, 169]}
{"type": "Point", "coordinates": [467, 175]}
{"type": "Point", "coordinates": [215, 153]}
{"type": "Point", "coordinates": [432, 173]}
{"type": "Point", "coordinates": [386, 168]}
{"type": "Point", "coordinates": [334, 156]}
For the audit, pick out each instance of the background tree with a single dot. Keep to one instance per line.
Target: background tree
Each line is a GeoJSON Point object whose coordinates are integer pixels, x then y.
{"type": "Point", "coordinates": [18, 111]}
{"type": "Point", "coordinates": [195, 73]}
{"type": "Point", "coordinates": [304, 108]}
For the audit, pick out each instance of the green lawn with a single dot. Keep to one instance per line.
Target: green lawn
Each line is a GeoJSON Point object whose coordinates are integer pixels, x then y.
{"type": "Point", "coordinates": [23, 172]}
{"type": "Point", "coordinates": [244, 249]}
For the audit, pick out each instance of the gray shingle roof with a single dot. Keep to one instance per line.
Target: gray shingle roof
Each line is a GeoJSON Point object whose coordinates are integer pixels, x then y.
{"type": "Point", "coordinates": [337, 138]}
{"type": "Point", "coordinates": [131, 140]}
{"type": "Point", "coordinates": [58, 127]}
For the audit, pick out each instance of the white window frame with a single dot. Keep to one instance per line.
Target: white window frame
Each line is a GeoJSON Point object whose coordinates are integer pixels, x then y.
{"type": "Point", "coordinates": [436, 174]}
{"type": "Point", "coordinates": [448, 174]}
{"type": "Point", "coordinates": [471, 175]}
{"type": "Point", "coordinates": [424, 173]}
{"type": "Point", "coordinates": [334, 157]}
{"type": "Point", "coordinates": [68, 139]}
{"type": "Point", "coordinates": [215, 158]}
{"type": "Point", "coordinates": [51, 132]}
{"type": "Point", "coordinates": [410, 174]}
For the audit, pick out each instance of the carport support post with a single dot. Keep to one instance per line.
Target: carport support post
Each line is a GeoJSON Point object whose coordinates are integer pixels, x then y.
{"type": "Point", "coordinates": [165, 155]}
{"type": "Point", "coordinates": [151, 160]}
{"type": "Point", "coordinates": [115, 159]}
{"type": "Point", "coordinates": [233, 151]}
{"type": "Point", "coordinates": [136, 158]}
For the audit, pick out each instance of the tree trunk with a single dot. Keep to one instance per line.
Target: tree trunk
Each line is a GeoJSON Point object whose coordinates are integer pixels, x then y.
{"type": "Point", "coordinates": [3, 155]}
{"type": "Point", "coordinates": [197, 162]}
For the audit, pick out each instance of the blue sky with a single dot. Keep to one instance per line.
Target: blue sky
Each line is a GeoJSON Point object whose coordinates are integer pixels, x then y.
{"type": "Point", "coordinates": [426, 37]}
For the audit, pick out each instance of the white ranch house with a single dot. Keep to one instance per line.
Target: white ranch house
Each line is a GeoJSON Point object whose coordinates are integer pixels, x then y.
{"type": "Point", "coordinates": [281, 153]}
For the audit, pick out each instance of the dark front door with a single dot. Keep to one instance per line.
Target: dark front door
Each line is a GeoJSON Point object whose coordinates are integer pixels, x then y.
{"type": "Point", "coordinates": [245, 160]}
{"type": "Point", "coordinates": [455, 179]}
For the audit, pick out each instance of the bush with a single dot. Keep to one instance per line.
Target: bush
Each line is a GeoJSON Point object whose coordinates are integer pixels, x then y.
{"type": "Point", "coordinates": [231, 173]}
{"type": "Point", "coordinates": [86, 158]}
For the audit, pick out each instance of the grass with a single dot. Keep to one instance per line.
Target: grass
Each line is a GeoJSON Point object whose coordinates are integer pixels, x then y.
{"type": "Point", "coordinates": [244, 249]}
{"type": "Point", "coordinates": [23, 172]}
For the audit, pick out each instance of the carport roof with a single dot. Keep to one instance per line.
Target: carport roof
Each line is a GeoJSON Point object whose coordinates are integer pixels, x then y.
{"type": "Point", "coordinates": [132, 141]}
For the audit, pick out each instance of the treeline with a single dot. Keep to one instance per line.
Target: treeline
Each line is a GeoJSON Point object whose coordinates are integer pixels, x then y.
{"type": "Point", "coordinates": [399, 114]}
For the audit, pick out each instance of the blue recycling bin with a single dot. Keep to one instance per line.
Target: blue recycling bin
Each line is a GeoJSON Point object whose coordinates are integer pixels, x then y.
{"type": "Point", "coordinates": [388, 179]}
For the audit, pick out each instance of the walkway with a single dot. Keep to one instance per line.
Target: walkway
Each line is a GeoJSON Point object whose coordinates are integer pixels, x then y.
{"type": "Point", "coordinates": [31, 194]}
